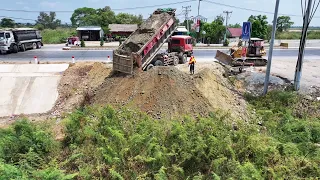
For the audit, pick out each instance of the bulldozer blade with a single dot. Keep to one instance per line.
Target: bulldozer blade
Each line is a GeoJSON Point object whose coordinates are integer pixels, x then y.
{"type": "Point", "coordinates": [224, 58]}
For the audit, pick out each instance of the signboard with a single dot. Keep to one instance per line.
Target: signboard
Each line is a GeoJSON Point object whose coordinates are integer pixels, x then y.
{"type": "Point", "coordinates": [246, 31]}
{"type": "Point", "coordinates": [198, 26]}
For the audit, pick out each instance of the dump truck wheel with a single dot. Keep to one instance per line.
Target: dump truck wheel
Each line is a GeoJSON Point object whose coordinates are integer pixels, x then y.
{"type": "Point", "coordinates": [23, 48]}
{"type": "Point", "coordinates": [185, 59]}
{"type": "Point", "coordinates": [15, 49]}
{"type": "Point", "coordinates": [39, 45]}
{"type": "Point", "coordinates": [158, 63]}
{"type": "Point", "coordinates": [34, 46]}
{"type": "Point", "coordinates": [150, 66]}
{"type": "Point", "coordinates": [175, 60]}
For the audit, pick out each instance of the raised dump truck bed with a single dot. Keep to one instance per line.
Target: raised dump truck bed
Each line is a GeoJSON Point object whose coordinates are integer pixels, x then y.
{"type": "Point", "coordinates": [142, 45]}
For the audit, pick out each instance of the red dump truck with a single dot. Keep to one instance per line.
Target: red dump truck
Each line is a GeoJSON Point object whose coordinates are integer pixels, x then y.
{"type": "Point", "coordinates": [141, 48]}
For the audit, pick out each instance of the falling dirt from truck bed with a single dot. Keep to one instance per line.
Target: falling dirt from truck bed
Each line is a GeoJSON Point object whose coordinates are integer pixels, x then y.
{"type": "Point", "coordinates": [144, 33]}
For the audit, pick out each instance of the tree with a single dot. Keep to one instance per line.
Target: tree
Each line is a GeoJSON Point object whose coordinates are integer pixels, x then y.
{"type": "Point", "coordinates": [48, 20]}
{"type": "Point", "coordinates": [214, 30]}
{"type": "Point", "coordinates": [237, 25]}
{"type": "Point", "coordinates": [259, 26]}
{"type": "Point", "coordinates": [84, 17]}
{"type": "Point", "coordinates": [125, 18]}
{"type": "Point", "coordinates": [7, 23]}
{"type": "Point", "coordinates": [284, 23]}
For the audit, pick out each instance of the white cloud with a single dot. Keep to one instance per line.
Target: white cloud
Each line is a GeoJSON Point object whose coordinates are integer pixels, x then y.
{"type": "Point", "coordinates": [48, 4]}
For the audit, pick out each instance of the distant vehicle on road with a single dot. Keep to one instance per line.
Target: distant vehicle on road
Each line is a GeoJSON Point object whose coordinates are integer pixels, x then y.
{"type": "Point", "coordinates": [19, 39]}
{"type": "Point", "coordinates": [73, 41]}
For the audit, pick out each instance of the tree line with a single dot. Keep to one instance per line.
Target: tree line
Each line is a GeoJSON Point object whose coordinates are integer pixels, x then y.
{"type": "Point", "coordinates": [214, 31]}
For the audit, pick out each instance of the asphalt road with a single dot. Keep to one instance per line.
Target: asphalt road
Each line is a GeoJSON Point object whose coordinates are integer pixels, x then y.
{"type": "Point", "coordinates": [54, 53]}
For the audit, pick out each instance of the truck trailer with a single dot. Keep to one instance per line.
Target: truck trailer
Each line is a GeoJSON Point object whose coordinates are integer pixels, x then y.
{"type": "Point", "coordinates": [19, 39]}
{"type": "Point", "coordinates": [141, 48]}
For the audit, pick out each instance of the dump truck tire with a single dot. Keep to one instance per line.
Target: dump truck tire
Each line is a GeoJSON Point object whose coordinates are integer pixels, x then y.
{"type": "Point", "coordinates": [23, 48]}
{"type": "Point", "coordinates": [175, 60]}
{"type": "Point", "coordinates": [158, 63]}
{"type": "Point", "coordinates": [150, 66]}
{"type": "Point", "coordinates": [183, 59]}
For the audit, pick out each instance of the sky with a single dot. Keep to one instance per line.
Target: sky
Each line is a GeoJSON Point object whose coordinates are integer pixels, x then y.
{"type": "Point", "coordinates": [208, 10]}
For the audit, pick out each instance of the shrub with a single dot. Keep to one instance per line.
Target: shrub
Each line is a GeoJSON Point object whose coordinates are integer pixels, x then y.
{"type": "Point", "coordinates": [226, 42]}
{"type": "Point", "coordinates": [82, 43]}
{"type": "Point", "coordinates": [101, 42]}
{"type": "Point", "coordinates": [56, 36]}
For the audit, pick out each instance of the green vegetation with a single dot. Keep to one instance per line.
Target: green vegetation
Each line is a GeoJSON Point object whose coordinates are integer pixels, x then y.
{"type": "Point", "coordinates": [57, 36]}
{"type": "Point", "coordinates": [83, 44]}
{"type": "Point", "coordinates": [297, 35]}
{"type": "Point", "coordinates": [124, 144]}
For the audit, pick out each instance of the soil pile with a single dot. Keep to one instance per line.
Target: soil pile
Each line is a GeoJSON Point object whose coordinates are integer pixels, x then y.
{"type": "Point", "coordinates": [77, 82]}
{"type": "Point", "coordinates": [160, 92]}
{"type": "Point", "coordinates": [144, 33]}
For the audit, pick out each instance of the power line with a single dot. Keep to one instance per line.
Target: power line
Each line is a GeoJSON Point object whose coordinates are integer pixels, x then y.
{"type": "Point", "coordinates": [253, 10]}
{"type": "Point", "coordinates": [121, 9]}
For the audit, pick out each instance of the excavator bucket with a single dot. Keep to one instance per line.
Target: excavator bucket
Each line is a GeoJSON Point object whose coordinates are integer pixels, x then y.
{"type": "Point", "coordinates": [224, 58]}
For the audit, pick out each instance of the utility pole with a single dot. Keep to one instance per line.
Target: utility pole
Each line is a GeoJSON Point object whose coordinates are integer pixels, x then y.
{"type": "Point", "coordinates": [274, 28]}
{"type": "Point", "coordinates": [199, 18]}
{"type": "Point", "coordinates": [306, 21]}
{"type": "Point", "coordinates": [227, 18]}
{"type": "Point", "coordinates": [186, 11]}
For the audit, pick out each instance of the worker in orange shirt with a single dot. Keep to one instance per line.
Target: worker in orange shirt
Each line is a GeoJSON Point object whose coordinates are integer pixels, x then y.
{"type": "Point", "coordinates": [192, 62]}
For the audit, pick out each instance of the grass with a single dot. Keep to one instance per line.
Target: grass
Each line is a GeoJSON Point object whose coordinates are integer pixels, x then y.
{"type": "Point", "coordinates": [57, 36]}
{"type": "Point", "coordinates": [297, 35]}
{"type": "Point", "coordinates": [103, 143]}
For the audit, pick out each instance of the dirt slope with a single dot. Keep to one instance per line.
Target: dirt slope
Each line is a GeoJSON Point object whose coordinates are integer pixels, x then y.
{"type": "Point", "coordinates": [161, 92]}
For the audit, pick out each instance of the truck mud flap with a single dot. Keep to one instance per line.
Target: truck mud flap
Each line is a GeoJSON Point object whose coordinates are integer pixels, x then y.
{"type": "Point", "coordinates": [224, 58]}
{"type": "Point", "coordinates": [122, 63]}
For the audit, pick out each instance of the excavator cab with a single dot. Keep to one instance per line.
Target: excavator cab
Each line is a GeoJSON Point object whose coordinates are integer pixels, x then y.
{"type": "Point", "coordinates": [256, 48]}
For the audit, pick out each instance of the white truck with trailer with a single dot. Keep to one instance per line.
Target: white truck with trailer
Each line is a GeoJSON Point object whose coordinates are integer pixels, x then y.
{"type": "Point", "coordinates": [19, 39]}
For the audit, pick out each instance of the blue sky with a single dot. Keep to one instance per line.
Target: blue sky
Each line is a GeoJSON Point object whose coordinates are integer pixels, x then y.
{"type": "Point", "coordinates": [207, 9]}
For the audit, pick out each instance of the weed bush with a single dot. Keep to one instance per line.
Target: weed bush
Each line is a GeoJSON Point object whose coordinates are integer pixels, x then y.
{"type": "Point", "coordinates": [57, 36]}
{"type": "Point", "coordinates": [297, 35]}
{"type": "Point", "coordinates": [102, 143]}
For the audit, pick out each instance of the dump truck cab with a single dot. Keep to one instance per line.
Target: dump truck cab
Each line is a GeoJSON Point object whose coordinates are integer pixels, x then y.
{"type": "Point", "coordinates": [181, 44]}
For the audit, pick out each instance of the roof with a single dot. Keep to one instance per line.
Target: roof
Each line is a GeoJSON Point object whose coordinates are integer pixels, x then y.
{"type": "Point", "coordinates": [181, 29]}
{"type": "Point", "coordinates": [123, 27]}
{"type": "Point", "coordinates": [89, 28]}
{"type": "Point", "coordinates": [181, 37]}
{"type": "Point", "coordinates": [256, 39]}
{"type": "Point", "coordinates": [17, 29]}
{"type": "Point", "coordinates": [235, 32]}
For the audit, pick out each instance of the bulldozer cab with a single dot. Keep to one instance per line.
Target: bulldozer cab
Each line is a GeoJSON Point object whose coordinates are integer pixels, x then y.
{"type": "Point", "coordinates": [256, 48]}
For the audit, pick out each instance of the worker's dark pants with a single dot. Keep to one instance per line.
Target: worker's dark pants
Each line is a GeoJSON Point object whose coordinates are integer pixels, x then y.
{"type": "Point", "coordinates": [192, 68]}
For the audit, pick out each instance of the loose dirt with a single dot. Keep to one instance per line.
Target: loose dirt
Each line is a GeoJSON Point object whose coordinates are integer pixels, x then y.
{"type": "Point", "coordinates": [160, 92]}
{"type": "Point", "coordinates": [140, 37]}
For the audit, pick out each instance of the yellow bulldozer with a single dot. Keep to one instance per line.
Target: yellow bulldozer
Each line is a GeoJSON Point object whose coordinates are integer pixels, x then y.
{"type": "Point", "coordinates": [244, 56]}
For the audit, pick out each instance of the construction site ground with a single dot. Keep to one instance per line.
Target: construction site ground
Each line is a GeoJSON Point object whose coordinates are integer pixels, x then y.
{"type": "Point", "coordinates": [163, 92]}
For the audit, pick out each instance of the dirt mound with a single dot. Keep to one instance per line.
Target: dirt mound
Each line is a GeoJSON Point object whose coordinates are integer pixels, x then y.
{"type": "Point", "coordinates": [218, 92]}
{"type": "Point", "coordinates": [147, 29]}
{"type": "Point", "coordinates": [161, 92]}
{"type": "Point", "coordinates": [77, 81]}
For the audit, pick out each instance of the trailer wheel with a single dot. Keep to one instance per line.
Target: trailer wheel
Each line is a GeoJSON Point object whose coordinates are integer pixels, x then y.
{"type": "Point", "coordinates": [150, 66]}
{"type": "Point", "coordinates": [23, 48]}
{"type": "Point", "coordinates": [175, 60]}
{"type": "Point", "coordinates": [34, 46]}
{"type": "Point", "coordinates": [38, 45]}
{"type": "Point", "coordinates": [158, 63]}
{"type": "Point", "coordinates": [15, 49]}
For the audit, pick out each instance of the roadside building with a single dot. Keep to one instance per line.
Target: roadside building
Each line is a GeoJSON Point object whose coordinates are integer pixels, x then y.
{"type": "Point", "coordinates": [90, 33]}
{"type": "Point", "coordinates": [122, 30]}
{"type": "Point", "coordinates": [234, 34]}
